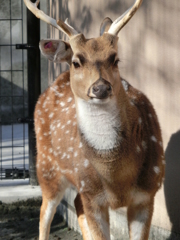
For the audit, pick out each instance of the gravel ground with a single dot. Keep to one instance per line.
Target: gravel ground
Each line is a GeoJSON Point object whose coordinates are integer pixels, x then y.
{"type": "Point", "coordinates": [20, 220]}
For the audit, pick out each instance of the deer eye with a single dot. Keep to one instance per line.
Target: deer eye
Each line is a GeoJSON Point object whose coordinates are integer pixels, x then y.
{"type": "Point", "coordinates": [76, 64]}
{"type": "Point", "coordinates": [116, 62]}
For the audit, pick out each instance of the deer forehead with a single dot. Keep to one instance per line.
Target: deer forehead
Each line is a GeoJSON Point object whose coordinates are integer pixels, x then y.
{"type": "Point", "coordinates": [95, 48]}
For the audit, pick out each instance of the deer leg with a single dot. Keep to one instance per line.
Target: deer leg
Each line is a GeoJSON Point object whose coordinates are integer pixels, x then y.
{"type": "Point", "coordinates": [51, 198]}
{"type": "Point", "coordinates": [95, 216]}
{"type": "Point", "coordinates": [48, 209]}
{"type": "Point", "coordinates": [139, 220]}
{"type": "Point", "coordinates": [82, 218]}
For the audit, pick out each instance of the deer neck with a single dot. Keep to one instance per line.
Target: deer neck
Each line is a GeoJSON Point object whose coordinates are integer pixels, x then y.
{"type": "Point", "coordinates": [99, 124]}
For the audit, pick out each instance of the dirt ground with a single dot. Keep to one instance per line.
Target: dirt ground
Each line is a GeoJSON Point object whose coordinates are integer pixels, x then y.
{"type": "Point", "coordinates": [20, 220]}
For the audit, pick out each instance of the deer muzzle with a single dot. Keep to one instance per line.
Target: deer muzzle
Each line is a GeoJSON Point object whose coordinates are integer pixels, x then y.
{"type": "Point", "coordinates": [101, 89]}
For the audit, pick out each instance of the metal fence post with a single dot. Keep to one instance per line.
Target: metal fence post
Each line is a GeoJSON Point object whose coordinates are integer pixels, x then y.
{"type": "Point", "coordinates": [34, 89]}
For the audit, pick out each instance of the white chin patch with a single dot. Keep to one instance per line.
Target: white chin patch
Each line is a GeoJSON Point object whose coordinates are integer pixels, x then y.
{"type": "Point", "coordinates": [99, 121]}
{"type": "Point", "coordinates": [99, 101]}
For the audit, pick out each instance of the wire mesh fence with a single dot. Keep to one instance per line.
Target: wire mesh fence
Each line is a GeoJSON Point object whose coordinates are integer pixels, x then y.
{"type": "Point", "coordinates": [13, 92]}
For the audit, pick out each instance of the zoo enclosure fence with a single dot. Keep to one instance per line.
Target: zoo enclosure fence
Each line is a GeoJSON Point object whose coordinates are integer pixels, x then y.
{"type": "Point", "coordinates": [17, 142]}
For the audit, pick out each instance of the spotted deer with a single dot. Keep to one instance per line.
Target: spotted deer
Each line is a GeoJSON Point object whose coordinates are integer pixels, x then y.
{"type": "Point", "coordinates": [96, 132]}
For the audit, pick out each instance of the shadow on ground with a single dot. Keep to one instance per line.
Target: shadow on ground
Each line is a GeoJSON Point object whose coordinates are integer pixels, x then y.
{"type": "Point", "coordinates": [20, 220]}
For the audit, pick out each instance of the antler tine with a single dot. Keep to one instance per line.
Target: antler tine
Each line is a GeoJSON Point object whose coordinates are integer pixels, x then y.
{"type": "Point", "coordinates": [121, 21]}
{"type": "Point", "coordinates": [64, 27]}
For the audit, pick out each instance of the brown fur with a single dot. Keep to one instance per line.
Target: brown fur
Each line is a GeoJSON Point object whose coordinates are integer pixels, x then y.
{"type": "Point", "coordinates": [110, 177]}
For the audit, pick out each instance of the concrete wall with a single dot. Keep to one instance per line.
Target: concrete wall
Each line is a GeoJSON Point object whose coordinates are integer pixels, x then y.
{"type": "Point", "coordinates": [150, 60]}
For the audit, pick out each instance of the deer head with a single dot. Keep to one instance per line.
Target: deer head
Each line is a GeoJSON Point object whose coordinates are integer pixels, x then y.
{"type": "Point", "coordinates": [93, 62]}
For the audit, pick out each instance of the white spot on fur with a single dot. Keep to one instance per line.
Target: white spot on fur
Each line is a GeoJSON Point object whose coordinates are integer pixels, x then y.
{"type": "Point", "coordinates": [66, 171]}
{"type": "Point", "coordinates": [51, 115]}
{"type": "Point", "coordinates": [99, 123]}
{"type": "Point", "coordinates": [55, 153]}
{"type": "Point", "coordinates": [67, 132]}
{"type": "Point", "coordinates": [125, 85]}
{"type": "Point", "coordinates": [44, 104]}
{"type": "Point", "coordinates": [138, 149]}
{"type": "Point", "coordinates": [73, 106]}
{"type": "Point", "coordinates": [150, 115]}
{"type": "Point", "coordinates": [80, 145]}
{"type": "Point", "coordinates": [82, 186]}
{"type": "Point", "coordinates": [65, 110]}
{"type": "Point", "coordinates": [60, 95]}
{"type": "Point", "coordinates": [38, 129]}
{"type": "Point", "coordinates": [64, 155]}
{"type": "Point", "coordinates": [50, 150]}
{"type": "Point", "coordinates": [76, 170]}
{"type": "Point", "coordinates": [42, 120]}
{"type": "Point", "coordinates": [62, 104]}
{"type": "Point", "coordinates": [68, 122]}
{"type": "Point", "coordinates": [75, 154]}
{"type": "Point", "coordinates": [39, 112]}
{"type": "Point", "coordinates": [144, 145]}
{"type": "Point", "coordinates": [156, 170]}
{"type": "Point", "coordinates": [86, 163]}
{"type": "Point", "coordinates": [70, 149]}
{"type": "Point", "coordinates": [69, 99]}
{"type": "Point", "coordinates": [132, 103]}
{"type": "Point", "coordinates": [139, 120]}
{"type": "Point", "coordinates": [153, 138]}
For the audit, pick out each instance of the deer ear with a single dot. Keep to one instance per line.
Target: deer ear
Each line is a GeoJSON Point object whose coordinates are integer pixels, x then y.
{"type": "Point", "coordinates": [105, 25]}
{"type": "Point", "coordinates": [56, 50]}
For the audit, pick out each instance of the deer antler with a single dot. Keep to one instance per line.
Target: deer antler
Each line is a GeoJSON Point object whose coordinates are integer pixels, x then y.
{"type": "Point", "coordinates": [61, 26]}
{"type": "Point", "coordinates": [121, 21]}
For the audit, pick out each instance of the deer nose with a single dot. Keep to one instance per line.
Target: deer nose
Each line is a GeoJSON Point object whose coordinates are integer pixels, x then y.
{"type": "Point", "coordinates": [101, 89]}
